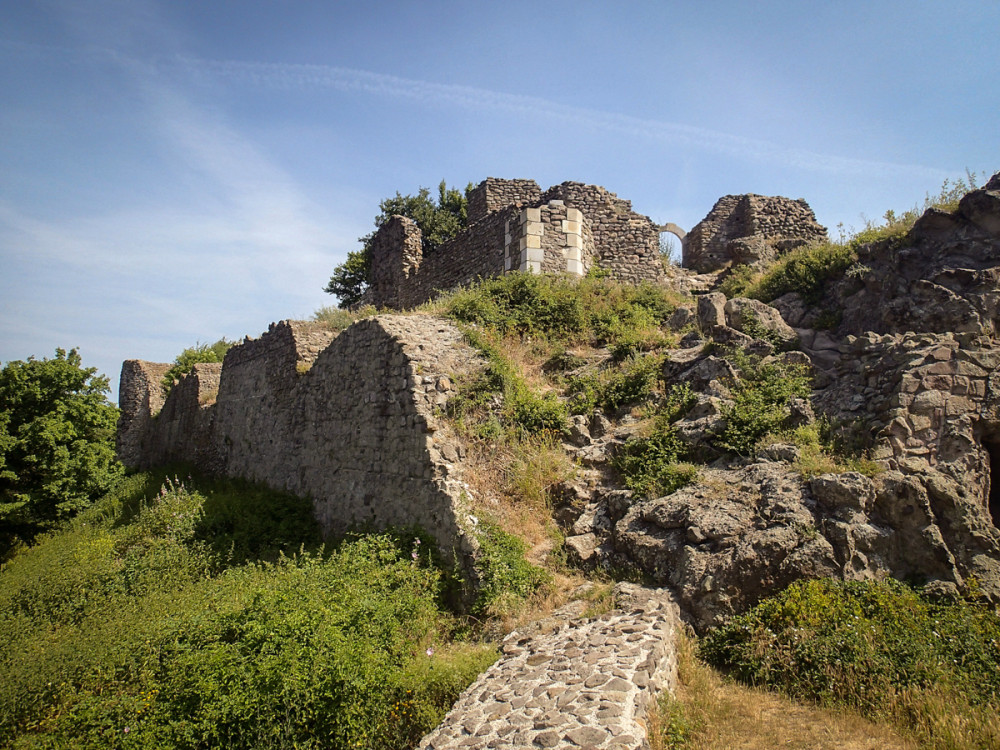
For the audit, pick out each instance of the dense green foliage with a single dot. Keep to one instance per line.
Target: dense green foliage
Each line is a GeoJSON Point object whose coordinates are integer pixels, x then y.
{"type": "Point", "coordinates": [521, 410]}
{"type": "Point", "coordinates": [197, 354]}
{"type": "Point", "coordinates": [57, 444]}
{"type": "Point", "coordinates": [761, 399]}
{"type": "Point", "coordinates": [877, 647]}
{"type": "Point", "coordinates": [140, 626]}
{"type": "Point", "coordinates": [438, 221]}
{"type": "Point", "coordinates": [652, 465]}
{"type": "Point", "coordinates": [503, 572]}
{"type": "Point", "coordinates": [597, 311]}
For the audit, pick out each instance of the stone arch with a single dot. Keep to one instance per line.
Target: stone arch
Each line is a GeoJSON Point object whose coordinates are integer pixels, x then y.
{"type": "Point", "coordinates": [680, 234]}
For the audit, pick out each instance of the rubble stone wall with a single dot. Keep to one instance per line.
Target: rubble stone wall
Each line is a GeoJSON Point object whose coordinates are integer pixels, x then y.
{"type": "Point", "coordinates": [749, 228]}
{"type": "Point", "coordinates": [350, 422]}
{"type": "Point", "coordinates": [513, 228]}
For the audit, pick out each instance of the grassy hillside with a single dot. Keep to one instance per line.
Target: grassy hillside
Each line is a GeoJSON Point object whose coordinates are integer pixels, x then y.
{"type": "Point", "coordinates": [205, 614]}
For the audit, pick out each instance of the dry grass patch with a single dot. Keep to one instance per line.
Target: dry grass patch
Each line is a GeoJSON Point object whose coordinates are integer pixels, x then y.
{"type": "Point", "coordinates": [711, 712]}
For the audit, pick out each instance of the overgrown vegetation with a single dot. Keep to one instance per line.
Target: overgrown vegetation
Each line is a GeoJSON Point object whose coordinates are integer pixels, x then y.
{"type": "Point", "coordinates": [57, 444]}
{"type": "Point", "coordinates": [652, 465]}
{"type": "Point", "coordinates": [761, 400]}
{"type": "Point", "coordinates": [170, 618]}
{"type": "Point", "coordinates": [709, 711]}
{"type": "Point", "coordinates": [197, 354]}
{"type": "Point", "coordinates": [879, 648]}
{"type": "Point", "coordinates": [807, 270]}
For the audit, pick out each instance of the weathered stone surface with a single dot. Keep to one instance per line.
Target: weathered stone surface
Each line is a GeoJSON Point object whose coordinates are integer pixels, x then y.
{"type": "Point", "coordinates": [513, 226]}
{"type": "Point", "coordinates": [749, 229]}
{"type": "Point", "coordinates": [757, 319]}
{"type": "Point", "coordinates": [348, 421]}
{"type": "Point", "coordinates": [585, 684]}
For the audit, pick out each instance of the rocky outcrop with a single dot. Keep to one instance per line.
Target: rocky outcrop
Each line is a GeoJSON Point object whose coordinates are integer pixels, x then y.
{"type": "Point", "coordinates": [912, 371]}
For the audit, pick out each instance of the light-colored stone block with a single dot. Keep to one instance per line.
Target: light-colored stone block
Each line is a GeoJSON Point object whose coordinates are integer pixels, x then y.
{"type": "Point", "coordinates": [573, 214]}
{"type": "Point", "coordinates": [531, 214]}
{"type": "Point", "coordinates": [506, 238]}
{"type": "Point", "coordinates": [574, 267]}
{"type": "Point", "coordinates": [535, 254]}
{"type": "Point", "coordinates": [534, 227]}
{"type": "Point", "coordinates": [553, 204]}
{"type": "Point", "coordinates": [574, 240]}
{"type": "Point", "coordinates": [531, 266]}
{"type": "Point", "coordinates": [571, 227]}
{"type": "Point", "coordinates": [532, 240]}
{"type": "Point", "coordinates": [573, 253]}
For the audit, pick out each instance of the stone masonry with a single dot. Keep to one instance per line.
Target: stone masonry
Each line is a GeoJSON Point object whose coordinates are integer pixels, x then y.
{"type": "Point", "coordinates": [352, 422]}
{"type": "Point", "coordinates": [586, 684]}
{"type": "Point", "coordinates": [515, 227]}
{"type": "Point", "coordinates": [745, 229]}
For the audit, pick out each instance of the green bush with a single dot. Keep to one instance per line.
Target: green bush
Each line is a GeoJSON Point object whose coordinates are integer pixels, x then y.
{"type": "Point", "coordinates": [504, 575]}
{"type": "Point", "coordinates": [610, 389]}
{"type": "Point", "coordinates": [522, 410]}
{"type": "Point", "coordinates": [862, 644]}
{"type": "Point", "coordinates": [760, 401]}
{"type": "Point", "coordinates": [197, 354]}
{"type": "Point", "coordinates": [652, 466]}
{"type": "Point", "coordinates": [129, 630]}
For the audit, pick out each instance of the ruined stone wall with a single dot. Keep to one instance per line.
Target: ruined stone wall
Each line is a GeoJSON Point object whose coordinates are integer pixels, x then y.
{"type": "Point", "coordinates": [396, 257]}
{"type": "Point", "coordinates": [493, 194]}
{"type": "Point", "coordinates": [747, 229]}
{"type": "Point", "coordinates": [513, 228]}
{"type": "Point", "coordinates": [350, 423]}
{"type": "Point", "coordinates": [140, 396]}
{"type": "Point", "coordinates": [626, 243]}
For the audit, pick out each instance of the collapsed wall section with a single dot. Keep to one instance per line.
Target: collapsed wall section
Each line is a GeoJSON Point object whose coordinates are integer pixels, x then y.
{"type": "Point", "coordinates": [748, 229]}
{"type": "Point", "coordinates": [357, 431]}
{"type": "Point", "coordinates": [626, 244]}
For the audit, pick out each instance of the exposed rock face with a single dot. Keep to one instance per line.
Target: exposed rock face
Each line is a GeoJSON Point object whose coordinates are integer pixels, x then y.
{"type": "Point", "coordinates": [915, 368]}
{"type": "Point", "coordinates": [352, 422]}
{"type": "Point", "coordinates": [749, 229]}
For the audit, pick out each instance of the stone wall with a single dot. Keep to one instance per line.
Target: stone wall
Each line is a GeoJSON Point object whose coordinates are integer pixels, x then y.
{"type": "Point", "coordinates": [493, 194]}
{"type": "Point", "coordinates": [749, 229]}
{"type": "Point", "coordinates": [350, 422]}
{"type": "Point", "coordinates": [513, 228]}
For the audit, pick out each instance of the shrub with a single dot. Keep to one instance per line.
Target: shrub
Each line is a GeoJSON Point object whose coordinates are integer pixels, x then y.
{"type": "Point", "coordinates": [614, 388]}
{"type": "Point", "coordinates": [760, 401]}
{"type": "Point", "coordinates": [504, 575]}
{"type": "Point", "coordinates": [652, 466]}
{"type": "Point", "coordinates": [123, 632]}
{"type": "Point", "coordinates": [877, 647]}
{"type": "Point", "coordinates": [197, 354]}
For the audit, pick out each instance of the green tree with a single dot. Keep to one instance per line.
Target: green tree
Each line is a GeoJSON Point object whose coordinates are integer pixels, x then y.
{"type": "Point", "coordinates": [57, 444]}
{"type": "Point", "coordinates": [196, 354]}
{"type": "Point", "coordinates": [438, 221]}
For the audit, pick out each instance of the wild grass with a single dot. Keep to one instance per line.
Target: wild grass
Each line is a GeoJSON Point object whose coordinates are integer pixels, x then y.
{"type": "Point", "coordinates": [878, 648]}
{"type": "Point", "coordinates": [178, 617]}
{"type": "Point", "coordinates": [712, 712]}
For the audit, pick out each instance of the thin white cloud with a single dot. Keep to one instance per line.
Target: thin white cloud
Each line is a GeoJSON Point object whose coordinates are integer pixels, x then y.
{"type": "Point", "coordinates": [291, 76]}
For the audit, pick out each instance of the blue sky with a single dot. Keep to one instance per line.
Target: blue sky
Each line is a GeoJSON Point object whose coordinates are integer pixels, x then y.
{"type": "Point", "coordinates": [175, 171]}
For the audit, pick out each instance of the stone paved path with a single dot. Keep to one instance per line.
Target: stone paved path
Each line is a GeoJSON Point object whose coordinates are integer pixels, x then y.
{"type": "Point", "coordinates": [587, 684]}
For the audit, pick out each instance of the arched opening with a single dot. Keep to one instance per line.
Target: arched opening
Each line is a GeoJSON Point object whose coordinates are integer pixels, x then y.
{"type": "Point", "coordinates": [672, 244]}
{"type": "Point", "coordinates": [993, 451]}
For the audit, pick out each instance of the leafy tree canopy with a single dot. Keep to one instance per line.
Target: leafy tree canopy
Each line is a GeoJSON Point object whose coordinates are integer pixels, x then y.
{"type": "Point", "coordinates": [57, 443]}
{"type": "Point", "coordinates": [196, 354]}
{"type": "Point", "coordinates": [438, 221]}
